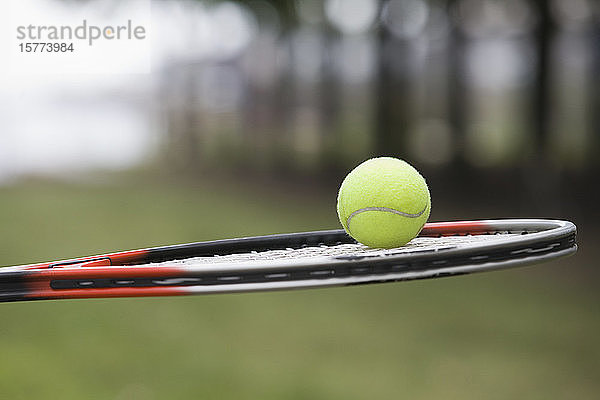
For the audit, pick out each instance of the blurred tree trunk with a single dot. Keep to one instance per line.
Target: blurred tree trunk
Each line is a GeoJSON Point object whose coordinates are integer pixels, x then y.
{"type": "Point", "coordinates": [329, 97]}
{"type": "Point", "coordinates": [592, 197]}
{"type": "Point", "coordinates": [183, 145]}
{"type": "Point", "coordinates": [284, 106]}
{"type": "Point", "coordinates": [458, 98]}
{"type": "Point", "coordinates": [541, 93]}
{"type": "Point", "coordinates": [392, 102]}
{"type": "Point", "coordinates": [541, 183]}
{"type": "Point", "coordinates": [191, 129]}
{"type": "Point", "coordinates": [594, 94]}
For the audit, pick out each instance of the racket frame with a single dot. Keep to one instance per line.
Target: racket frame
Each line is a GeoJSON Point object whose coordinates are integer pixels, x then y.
{"type": "Point", "coordinates": [107, 275]}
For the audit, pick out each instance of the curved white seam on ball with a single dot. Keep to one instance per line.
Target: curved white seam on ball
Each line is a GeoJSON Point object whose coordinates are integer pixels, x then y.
{"type": "Point", "coordinates": [384, 209]}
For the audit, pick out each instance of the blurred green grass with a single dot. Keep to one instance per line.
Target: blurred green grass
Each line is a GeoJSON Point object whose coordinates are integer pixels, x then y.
{"type": "Point", "coordinates": [510, 334]}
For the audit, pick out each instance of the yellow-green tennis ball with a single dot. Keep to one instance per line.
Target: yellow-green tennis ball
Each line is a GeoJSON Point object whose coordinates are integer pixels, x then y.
{"type": "Point", "coordinates": [384, 202]}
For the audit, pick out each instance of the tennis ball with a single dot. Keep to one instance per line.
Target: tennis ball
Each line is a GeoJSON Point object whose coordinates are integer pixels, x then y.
{"type": "Point", "coordinates": [384, 202]}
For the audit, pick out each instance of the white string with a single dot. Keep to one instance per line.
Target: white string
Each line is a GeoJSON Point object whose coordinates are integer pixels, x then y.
{"type": "Point", "coordinates": [418, 244]}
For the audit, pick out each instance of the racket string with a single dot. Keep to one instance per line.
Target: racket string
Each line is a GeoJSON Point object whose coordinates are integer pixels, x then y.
{"type": "Point", "coordinates": [417, 245]}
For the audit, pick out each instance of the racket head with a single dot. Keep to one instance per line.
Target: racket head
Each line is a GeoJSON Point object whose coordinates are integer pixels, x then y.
{"type": "Point", "coordinates": [296, 260]}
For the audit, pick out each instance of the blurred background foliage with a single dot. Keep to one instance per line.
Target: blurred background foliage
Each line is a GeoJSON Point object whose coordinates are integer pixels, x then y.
{"type": "Point", "coordinates": [492, 96]}
{"type": "Point", "coordinates": [253, 113]}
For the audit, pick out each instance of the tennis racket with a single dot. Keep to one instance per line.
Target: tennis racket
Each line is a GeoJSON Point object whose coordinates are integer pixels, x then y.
{"type": "Point", "coordinates": [295, 260]}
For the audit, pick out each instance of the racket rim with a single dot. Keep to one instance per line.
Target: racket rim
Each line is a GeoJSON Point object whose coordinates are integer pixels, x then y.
{"type": "Point", "coordinates": [555, 229]}
{"type": "Point", "coordinates": [553, 238]}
